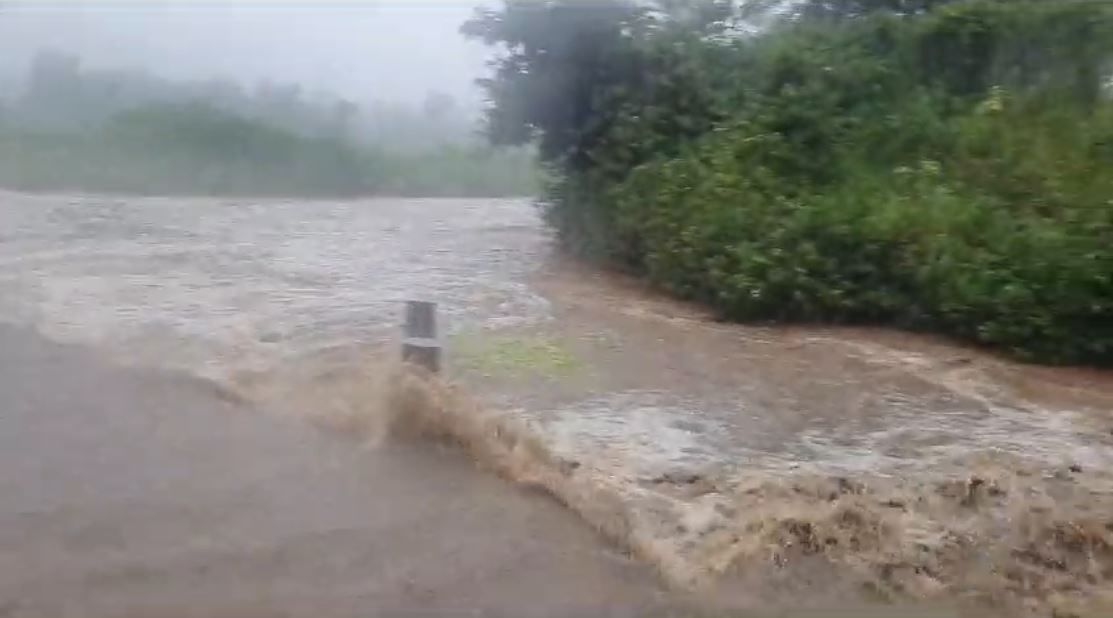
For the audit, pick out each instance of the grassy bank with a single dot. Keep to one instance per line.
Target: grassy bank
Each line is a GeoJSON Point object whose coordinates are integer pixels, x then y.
{"type": "Point", "coordinates": [935, 165]}
{"type": "Point", "coordinates": [197, 150]}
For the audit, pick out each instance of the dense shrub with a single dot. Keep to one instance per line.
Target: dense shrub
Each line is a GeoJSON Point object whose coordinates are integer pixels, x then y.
{"type": "Point", "coordinates": [196, 149]}
{"type": "Point", "coordinates": [934, 165]}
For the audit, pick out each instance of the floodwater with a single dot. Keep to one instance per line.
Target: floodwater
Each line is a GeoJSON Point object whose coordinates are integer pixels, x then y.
{"type": "Point", "coordinates": [215, 286]}
{"type": "Point", "coordinates": [697, 427]}
{"type": "Point", "coordinates": [140, 493]}
{"type": "Point", "coordinates": [143, 490]}
{"type": "Point", "coordinates": [696, 393]}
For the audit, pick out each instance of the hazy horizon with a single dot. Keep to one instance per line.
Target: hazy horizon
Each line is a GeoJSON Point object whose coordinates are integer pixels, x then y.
{"type": "Point", "coordinates": [364, 50]}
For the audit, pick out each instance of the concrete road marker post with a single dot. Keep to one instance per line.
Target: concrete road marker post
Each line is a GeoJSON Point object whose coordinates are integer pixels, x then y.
{"type": "Point", "coordinates": [420, 344]}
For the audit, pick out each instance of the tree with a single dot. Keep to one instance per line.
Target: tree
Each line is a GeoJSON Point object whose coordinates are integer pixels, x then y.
{"type": "Point", "coordinates": [438, 104]}
{"type": "Point", "coordinates": [574, 75]}
{"type": "Point", "coordinates": [836, 10]}
{"type": "Point", "coordinates": [343, 114]}
{"type": "Point", "coordinates": [558, 56]}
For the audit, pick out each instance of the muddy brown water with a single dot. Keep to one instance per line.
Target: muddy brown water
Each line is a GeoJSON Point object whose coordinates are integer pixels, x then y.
{"type": "Point", "coordinates": [914, 467]}
{"type": "Point", "coordinates": [133, 484]}
{"type": "Point", "coordinates": [140, 493]}
{"type": "Point", "coordinates": [281, 301]}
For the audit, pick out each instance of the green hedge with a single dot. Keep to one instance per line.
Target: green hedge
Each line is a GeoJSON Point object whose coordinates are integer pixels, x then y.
{"type": "Point", "coordinates": [947, 166]}
{"type": "Point", "coordinates": [1008, 241]}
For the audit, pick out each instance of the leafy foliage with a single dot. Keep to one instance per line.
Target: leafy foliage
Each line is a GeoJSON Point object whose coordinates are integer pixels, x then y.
{"type": "Point", "coordinates": [197, 149]}
{"type": "Point", "coordinates": [942, 165]}
{"type": "Point", "coordinates": [81, 128]}
{"type": "Point", "coordinates": [60, 94]}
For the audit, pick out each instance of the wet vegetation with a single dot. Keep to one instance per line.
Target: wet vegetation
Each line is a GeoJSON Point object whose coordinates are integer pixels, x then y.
{"type": "Point", "coordinates": [126, 132]}
{"type": "Point", "coordinates": [932, 164]}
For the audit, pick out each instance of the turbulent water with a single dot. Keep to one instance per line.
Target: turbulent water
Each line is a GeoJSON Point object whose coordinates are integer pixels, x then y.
{"type": "Point", "coordinates": [303, 291]}
{"type": "Point", "coordinates": [703, 447]}
{"type": "Point", "coordinates": [222, 286]}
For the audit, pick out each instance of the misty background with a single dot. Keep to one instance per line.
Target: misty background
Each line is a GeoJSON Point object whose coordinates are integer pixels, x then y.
{"type": "Point", "coordinates": [365, 50]}
{"type": "Point", "coordinates": [361, 97]}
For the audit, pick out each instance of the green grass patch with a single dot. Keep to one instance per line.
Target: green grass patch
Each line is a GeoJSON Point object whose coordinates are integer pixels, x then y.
{"type": "Point", "coordinates": [503, 355]}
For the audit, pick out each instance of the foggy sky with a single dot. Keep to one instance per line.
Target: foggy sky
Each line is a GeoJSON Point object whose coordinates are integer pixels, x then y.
{"type": "Point", "coordinates": [393, 50]}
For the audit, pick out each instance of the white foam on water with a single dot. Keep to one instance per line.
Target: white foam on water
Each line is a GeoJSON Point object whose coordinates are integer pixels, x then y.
{"type": "Point", "coordinates": [208, 285]}
{"type": "Point", "coordinates": [644, 431]}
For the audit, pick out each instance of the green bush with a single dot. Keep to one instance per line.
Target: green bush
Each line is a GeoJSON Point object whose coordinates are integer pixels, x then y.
{"type": "Point", "coordinates": [194, 149]}
{"type": "Point", "coordinates": [946, 166]}
{"type": "Point", "coordinates": [1009, 242]}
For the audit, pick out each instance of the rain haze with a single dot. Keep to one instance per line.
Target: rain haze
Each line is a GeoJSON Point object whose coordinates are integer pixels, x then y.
{"type": "Point", "coordinates": [363, 50]}
{"type": "Point", "coordinates": [357, 98]}
{"type": "Point", "coordinates": [351, 308]}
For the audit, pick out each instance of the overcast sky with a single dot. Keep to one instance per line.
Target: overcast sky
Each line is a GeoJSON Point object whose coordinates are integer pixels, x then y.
{"type": "Point", "coordinates": [392, 50]}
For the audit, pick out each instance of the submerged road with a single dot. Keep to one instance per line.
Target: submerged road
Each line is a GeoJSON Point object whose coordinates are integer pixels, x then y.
{"type": "Point", "coordinates": [143, 493]}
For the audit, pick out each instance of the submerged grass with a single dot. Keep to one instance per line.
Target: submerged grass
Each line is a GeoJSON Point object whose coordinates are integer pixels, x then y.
{"type": "Point", "coordinates": [492, 354]}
